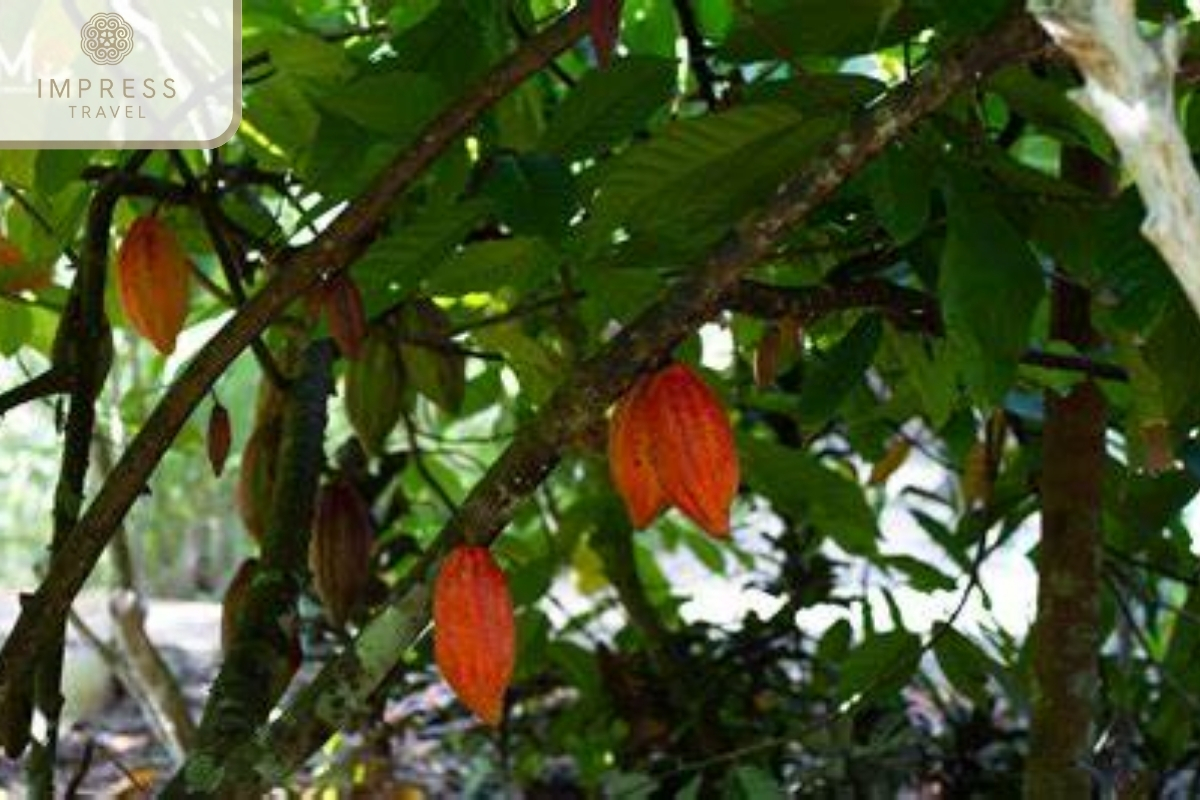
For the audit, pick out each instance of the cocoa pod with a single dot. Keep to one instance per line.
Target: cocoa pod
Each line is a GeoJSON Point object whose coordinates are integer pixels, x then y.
{"type": "Point", "coordinates": [340, 549]}
{"type": "Point", "coordinates": [692, 447]}
{"type": "Point", "coordinates": [256, 483]}
{"type": "Point", "coordinates": [1158, 453]}
{"type": "Point", "coordinates": [629, 459]}
{"type": "Point", "coordinates": [767, 357]}
{"type": "Point", "coordinates": [977, 477]}
{"type": "Point", "coordinates": [344, 314]}
{"type": "Point", "coordinates": [234, 602]}
{"type": "Point", "coordinates": [219, 439]}
{"type": "Point", "coordinates": [18, 275]}
{"type": "Point", "coordinates": [427, 348]}
{"type": "Point", "coordinates": [474, 630]}
{"type": "Point", "coordinates": [374, 391]}
{"type": "Point", "coordinates": [893, 459]}
{"type": "Point", "coordinates": [153, 276]}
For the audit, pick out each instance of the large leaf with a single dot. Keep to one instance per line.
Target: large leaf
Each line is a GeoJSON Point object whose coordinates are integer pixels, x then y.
{"type": "Point", "coordinates": [829, 380]}
{"type": "Point", "coordinates": [802, 487]}
{"type": "Point", "coordinates": [396, 264]}
{"type": "Point", "coordinates": [665, 187]}
{"type": "Point", "coordinates": [608, 106]}
{"type": "Point", "coordinates": [790, 28]}
{"type": "Point", "coordinates": [534, 194]}
{"type": "Point", "coordinates": [882, 663]}
{"type": "Point", "coordinates": [990, 285]}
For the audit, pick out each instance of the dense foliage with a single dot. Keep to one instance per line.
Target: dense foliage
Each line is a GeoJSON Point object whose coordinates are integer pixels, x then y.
{"type": "Point", "coordinates": [909, 354]}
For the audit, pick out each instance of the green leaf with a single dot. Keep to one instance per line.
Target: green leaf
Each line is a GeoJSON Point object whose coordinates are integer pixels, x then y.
{"type": "Point", "coordinates": [964, 665]}
{"type": "Point", "coordinates": [810, 28]}
{"type": "Point", "coordinates": [400, 121]}
{"type": "Point", "coordinates": [751, 783]}
{"type": "Point", "coordinates": [929, 371]}
{"type": "Point", "coordinates": [881, 664]}
{"type": "Point", "coordinates": [990, 285]}
{"type": "Point", "coordinates": [921, 576]}
{"type": "Point", "coordinates": [664, 188]}
{"type": "Point", "coordinates": [537, 368]}
{"type": "Point", "coordinates": [16, 326]}
{"type": "Point", "coordinates": [397, 263]}
{"type": "Point", "coordinates": [802, 487]}
{"type": "Point", "coordinates": [18, 167]}
{"type": "Point", "coordinates": [519, 263]}
{"type": "Point", "coordinates": [534, 194]}
{"type": "Point", "coordinates": [835, 375]}
{"type": "Point", "coordinates": [900, 185]}
{"type": "Point", "coordinates": [608, 106]}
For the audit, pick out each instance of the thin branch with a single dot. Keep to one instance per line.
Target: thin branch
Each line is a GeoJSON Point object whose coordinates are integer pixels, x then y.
{"type": "Point", "coordinates": [689, 26]}
{"type": "Point", "coordinates": [418, 456]}
{"type": "Point", "coordinates": [53, 381]}
{"type": "Point", "coordinates": [231, 264]}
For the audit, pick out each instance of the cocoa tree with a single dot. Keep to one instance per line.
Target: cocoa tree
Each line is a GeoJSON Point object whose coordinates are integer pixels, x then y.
{"type": "Point", "coordinates": [530, 291]}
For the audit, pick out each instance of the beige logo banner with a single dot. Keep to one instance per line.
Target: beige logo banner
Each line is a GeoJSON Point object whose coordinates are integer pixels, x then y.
{"type": "Point", "coordinates": [111, 73]}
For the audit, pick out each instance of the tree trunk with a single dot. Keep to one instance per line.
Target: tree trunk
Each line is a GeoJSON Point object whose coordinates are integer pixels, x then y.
{"type": "Point", "coordinates": [1066, 634]}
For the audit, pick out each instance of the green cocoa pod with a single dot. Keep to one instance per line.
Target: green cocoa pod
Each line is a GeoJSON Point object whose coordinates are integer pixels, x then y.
{"type": "Point", "coordinates": [431, 359]}
{"type": "Point", "coordinates": [374, 391]}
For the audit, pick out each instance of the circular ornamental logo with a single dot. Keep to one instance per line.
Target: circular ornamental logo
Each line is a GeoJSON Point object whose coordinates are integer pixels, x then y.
{"type": "Point", "coordinates": [107, 38]}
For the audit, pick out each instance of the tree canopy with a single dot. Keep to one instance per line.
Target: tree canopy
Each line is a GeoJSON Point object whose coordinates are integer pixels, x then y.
{"type": "Point", "coordinates": [492, 312]}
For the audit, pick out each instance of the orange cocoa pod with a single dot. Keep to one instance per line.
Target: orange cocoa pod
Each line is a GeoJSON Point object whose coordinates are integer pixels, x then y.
{"type": "Point", "coordinates": [692, 447]}
{"type": "Point", "coordinates": [220, 437]}
{"type": "Point", "coordinates": [474, 630]}
{"type": "Point", "coordinates": [153, 274]}
{"type": "Point", "coordinates": [629, 458]}
{"type": "Point", "coordinates": [344, 314]}
{"type": "Point", "coordinates": [339, 553]}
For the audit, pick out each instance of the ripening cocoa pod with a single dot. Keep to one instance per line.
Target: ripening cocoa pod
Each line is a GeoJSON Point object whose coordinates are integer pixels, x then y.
{"type": "Point", "coordinates": [340, 549]}
{"type": "Point", "coordinates": [1158, 453]}
{"type": "Point", "coordinates": [977, 477]}
{"type": "Point", "coordinates": [692, 447]}
{"type": "Point", "coordinates": [767, 357]}
{"type": "Point", "coordinates": [629, 459]}
{"type": "Point", "coordinates": [19, 275]}
{"type": "Point", "coordinates": [256, 483]}
{"type": "Point", "coordinates": [431, 361]}
{"type": "Point", "coordinates": [893, 459]}
{"type": "Point", "coordinates": [153, 275]}
{"type": "Point", "coordinates": [344, 314]}
{"type": "Point", "coordinates": [219, 439]}
{"type": "Point", "coordinates": [474, 631]}
{"type": "Point", "coordinates": [236, 595]}
{"type": "Point", "coordinates": [374, 395]}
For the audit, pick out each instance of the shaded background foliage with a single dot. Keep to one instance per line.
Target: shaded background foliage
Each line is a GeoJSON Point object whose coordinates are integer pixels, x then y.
{"type": "Point", "coordinates": [576, 202]}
